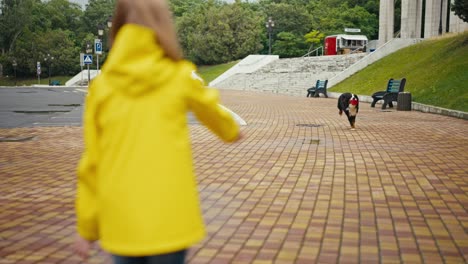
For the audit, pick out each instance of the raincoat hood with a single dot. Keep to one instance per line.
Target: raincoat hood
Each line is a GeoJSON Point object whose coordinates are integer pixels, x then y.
{"type": "Point", "coordinates": [135, 58]}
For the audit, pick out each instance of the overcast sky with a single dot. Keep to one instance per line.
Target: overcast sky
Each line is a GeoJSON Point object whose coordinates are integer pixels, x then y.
{"type": "Point", "coordinates": [81, 2]}
{"type": "Point", "coordinates": [84, 2]}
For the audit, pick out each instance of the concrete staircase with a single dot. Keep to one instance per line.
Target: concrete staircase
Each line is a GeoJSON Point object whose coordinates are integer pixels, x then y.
{"type": "Point", "coordinates": [293, 76]}
{"type": "Point", "coordinates": [288, 76]}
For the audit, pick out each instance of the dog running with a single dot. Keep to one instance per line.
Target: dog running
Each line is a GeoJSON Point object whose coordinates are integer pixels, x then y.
{"type": "Point", "coordinates": [349, 103]}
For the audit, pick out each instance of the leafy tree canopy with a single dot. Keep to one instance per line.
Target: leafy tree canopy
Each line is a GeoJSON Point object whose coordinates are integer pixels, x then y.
{"type": "Point", "coordinates": [210, 31]}
{"type": "Point", "coordinates": [460, 7]}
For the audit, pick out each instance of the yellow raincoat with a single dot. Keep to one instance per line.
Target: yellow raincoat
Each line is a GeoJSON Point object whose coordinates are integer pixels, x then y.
{"type": "Point", "coordinates": [137, 191]}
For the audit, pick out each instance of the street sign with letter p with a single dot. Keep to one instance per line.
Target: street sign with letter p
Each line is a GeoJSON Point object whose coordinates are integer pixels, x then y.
{"type": "Point", "coordinates": [97, 47]}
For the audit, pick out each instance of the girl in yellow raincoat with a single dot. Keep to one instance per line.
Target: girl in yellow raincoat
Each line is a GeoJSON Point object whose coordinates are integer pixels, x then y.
{"type": "Point", "coordinates": [137, 191]}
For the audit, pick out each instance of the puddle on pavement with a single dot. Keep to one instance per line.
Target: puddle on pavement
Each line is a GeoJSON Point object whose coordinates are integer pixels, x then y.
{"type": "Point", "coordinates": [16, 138]}
{"type": "Point", "coordinates": [66, 105]}
{"type": "Point", "coordinates": [308, 125]}
{"type": "Point", "coordinates": [41, 112]}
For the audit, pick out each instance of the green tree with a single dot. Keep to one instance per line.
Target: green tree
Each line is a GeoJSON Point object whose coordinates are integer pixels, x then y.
{"type": "Point", "coordinates": [246, 28]}
{"type": "Point", "coordinates": [14, 21]}
{"type": "Point", "coordinates": [289, 45]}
{"type": "Point", "coordinates": [58, 44]}
{"type": "Point", "coordinates": [288, 18]}
{"type": "Point", "coordinates": [180, 7]}
{"type": "Point", "coordinates": [96, 15]}
{"type": "Point", "coordinates": [14, 18]}
{"type": "Point", "coordinates": [460, 7]}
{"type": "Point", "coordinates": [62, 14]}
{"type": "Point", "coordinates": [358, 17]}
{"type": "Point", "coordinates": [314, 37]}
{"type": "Point", "coordinates": [52, 30]}
{"type": "Point", "coordinates": [333, 19]}
{"type": "Point", "coordinates": [209, 43]}
{"type": "Point", "coordinates": [217, 33]}
{"type": "Point", "coordinates": [372, 6]}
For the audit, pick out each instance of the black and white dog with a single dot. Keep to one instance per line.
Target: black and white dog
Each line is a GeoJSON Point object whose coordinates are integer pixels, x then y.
{"type": "Point", "coordinates": [349, 103]}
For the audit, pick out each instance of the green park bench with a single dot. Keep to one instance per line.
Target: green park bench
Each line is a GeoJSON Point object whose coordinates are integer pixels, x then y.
{"type": "Point", "coordinates": [390, 95]}
{"type": "Point", "coordinates": [320, 87]}
{"type": "Point", "coordinates": [54, 83]}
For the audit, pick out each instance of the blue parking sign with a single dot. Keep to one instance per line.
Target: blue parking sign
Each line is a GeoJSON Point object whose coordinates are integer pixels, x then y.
{"type": "Point", "coordinates": [97, 47]}
{"type": "Point", "coordinates": [38, 67]}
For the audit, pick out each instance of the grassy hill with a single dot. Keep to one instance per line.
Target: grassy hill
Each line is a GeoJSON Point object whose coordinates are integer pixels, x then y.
{"type": "Point", "coordinates": [436, 73]}
{"type": "Point", "coordinates": [209, 73]}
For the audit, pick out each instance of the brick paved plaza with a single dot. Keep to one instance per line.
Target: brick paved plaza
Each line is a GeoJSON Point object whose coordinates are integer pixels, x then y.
{"type": "Point", "coordinates": [300, 188]}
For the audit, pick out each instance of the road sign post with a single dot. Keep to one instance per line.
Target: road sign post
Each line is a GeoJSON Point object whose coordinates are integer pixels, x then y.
{"type": "Point", "coordinates": [97, 51]}
{"type": "Point", "coordinates": [88, 59]}
{"type": "Point", "coordinates": [38, 66]}
{"type": "Point", "coordinates": [81, 65]}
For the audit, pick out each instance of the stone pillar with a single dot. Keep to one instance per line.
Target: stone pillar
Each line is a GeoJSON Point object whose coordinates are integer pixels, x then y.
{"type": "Point", "coordinates": [411, 18]}
{"type": "Point", "coordinates": [386, 22]}
{"type": "Point", "coordinates": [433, 17]}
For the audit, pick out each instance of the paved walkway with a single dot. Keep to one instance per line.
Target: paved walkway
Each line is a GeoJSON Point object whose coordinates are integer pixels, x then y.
{"type": "Point", "coordinates": [300, 188]}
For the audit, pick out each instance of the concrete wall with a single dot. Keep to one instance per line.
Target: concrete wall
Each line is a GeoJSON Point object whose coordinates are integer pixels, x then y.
{"type": "Point", "coordinates": [249, 64]}
{"type": "Point", "coordinates": [81, 79]}
{"type": "Point", "coordinates": [435, 22]}
{"type": "Point", "coordinates": [456, 24]}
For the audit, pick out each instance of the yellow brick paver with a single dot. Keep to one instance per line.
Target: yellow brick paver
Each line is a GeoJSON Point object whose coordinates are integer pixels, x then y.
{"type": "Point", "coordinates": [300, 188]}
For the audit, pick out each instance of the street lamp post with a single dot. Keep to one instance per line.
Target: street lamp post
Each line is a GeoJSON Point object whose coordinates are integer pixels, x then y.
{"type": "Point", "coordinates": [270, 24]}
{"type": "Point", "coordinates": [100, 34]}
{"type": "Point", "coordinates": [109, 22]}
{"type": "Point", "coordinates": [49, 60]}
{"type": "Point", "coordinates": [109, 26]}
{"type": "Point", "coordinates": [89, 50]}
{"type": "Point", "coordinates": [14, 64]}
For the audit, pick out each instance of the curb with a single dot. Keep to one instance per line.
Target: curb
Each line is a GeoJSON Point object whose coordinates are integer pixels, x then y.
{"type": "Point", "coordinates": [415, 106]}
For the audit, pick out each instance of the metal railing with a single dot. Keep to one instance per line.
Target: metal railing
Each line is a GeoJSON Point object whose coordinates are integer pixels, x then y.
{"type": "Point", "coordinates": [361, 49]}
{"type": "Point", "coordinates": [316, 52]}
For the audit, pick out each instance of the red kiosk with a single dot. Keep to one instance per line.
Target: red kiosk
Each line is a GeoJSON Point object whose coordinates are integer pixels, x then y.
{"type": "Point", "coordinates": [344, 44]}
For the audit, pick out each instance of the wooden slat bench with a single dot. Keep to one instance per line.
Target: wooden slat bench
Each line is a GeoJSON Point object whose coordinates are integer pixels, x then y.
{"type": "Point", "coordinates": [320, 87]}
{"type": "Point", "coordinates": [390, 95]}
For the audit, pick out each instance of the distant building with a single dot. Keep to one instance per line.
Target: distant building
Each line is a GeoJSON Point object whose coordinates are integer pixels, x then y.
{"type": "Point", "coordinates": [419, 19]}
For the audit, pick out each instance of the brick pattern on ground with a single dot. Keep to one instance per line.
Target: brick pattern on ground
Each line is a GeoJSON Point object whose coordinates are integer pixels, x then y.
{"type": "Point", "coordinates": [300, 188]}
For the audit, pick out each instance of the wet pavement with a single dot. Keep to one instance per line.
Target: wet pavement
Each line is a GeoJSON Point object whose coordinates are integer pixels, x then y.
{"type": "Point", "coordinates": [300, 188]}
{"type": "Point", "coordinates": [41, 106]}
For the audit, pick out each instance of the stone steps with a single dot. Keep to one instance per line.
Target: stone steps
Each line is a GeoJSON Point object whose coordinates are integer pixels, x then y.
{"type": "Point", "coordinates": [289, 76]}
